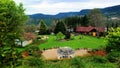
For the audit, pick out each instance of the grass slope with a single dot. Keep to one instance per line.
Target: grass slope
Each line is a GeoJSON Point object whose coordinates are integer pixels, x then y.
{"type": "Point", "coordinates": [85, 42]}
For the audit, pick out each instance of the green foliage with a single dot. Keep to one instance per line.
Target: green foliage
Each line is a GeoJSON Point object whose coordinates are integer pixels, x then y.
{"type": "Point", "coordinates": [34, 62]}
{"type": "Point", "coordinates": [12, 19]}
{"type": "Point", "coordinates": [9, 57]}
{"type": "Point", "coordinates": [113, 56]}
{"type": "Point", "coordinates": [78, 62]}
{"type": "Point", "coordinates": [113, 40]}
{"type": "Point", "coordinates": [32, 48]}
{"type": "Point", "coordinates": [43, 28]}
{"type": "Point", "coordinates": [60, 27]}
{"type": "Point", "coordinates": [30, 28]}
{"type": "Point", "coordinates": [85, 21]}
{"type": "Point", "coordinates": [113, 45]}
{"type": "Point", "coordinates": [96, 18]}
{"type": "Point", "coordinates": [99, 59]}
{"type": "Point", "coordinates": [60, 36]}
{"type": "Point", "coordinates": [34, 51]}
{"type": "Point", "coordinates": [67, 35]}
{"type": "Point", "coordinates": [72, 22]}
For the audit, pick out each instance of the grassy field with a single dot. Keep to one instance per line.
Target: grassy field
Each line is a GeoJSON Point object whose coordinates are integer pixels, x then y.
{"type": "Point", "coordinates": [85, 42]}
{"type": "Point", "coordinates": [77, 62]}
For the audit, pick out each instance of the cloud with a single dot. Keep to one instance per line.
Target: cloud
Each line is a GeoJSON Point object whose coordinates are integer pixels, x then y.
{"type": "Point", "coordinates": [58, 1]}
{"type": "Point", "coordinates": [56, 6]}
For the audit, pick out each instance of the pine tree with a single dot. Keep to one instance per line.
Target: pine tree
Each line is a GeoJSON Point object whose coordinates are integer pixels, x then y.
{"type": "Point", "coordinates": [43, 28]}
{"type": "Point", "coordinates": [60, 27]}
{"type": "Point", "coordinates": [84, 21]}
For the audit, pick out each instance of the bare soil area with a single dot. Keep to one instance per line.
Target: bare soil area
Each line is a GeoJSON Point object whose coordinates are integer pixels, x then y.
{"type": "Point", "coordinates": [51, 54]}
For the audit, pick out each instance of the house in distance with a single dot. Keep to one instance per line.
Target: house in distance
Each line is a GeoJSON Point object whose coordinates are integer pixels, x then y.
{"type": "Point", "coordinates": [94, 31]}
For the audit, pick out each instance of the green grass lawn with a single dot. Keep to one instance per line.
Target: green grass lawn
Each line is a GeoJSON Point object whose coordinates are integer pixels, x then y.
{"type": "Point", "coordinates": [85, 42]}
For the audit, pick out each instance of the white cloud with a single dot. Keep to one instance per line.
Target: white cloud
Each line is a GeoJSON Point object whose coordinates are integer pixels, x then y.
{"type": "Point", "coordinates": [56, 6]}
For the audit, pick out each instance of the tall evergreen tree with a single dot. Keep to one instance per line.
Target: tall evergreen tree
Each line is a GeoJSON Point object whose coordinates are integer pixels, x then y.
{"type": "Point", "coordinates": [84, 21]}
{"type": "Point", "coordinates": [43, 28]}
{"type": "Point", "coordinates": [60, 27]}
{"type": "Point", "coordinates": [72, 22]}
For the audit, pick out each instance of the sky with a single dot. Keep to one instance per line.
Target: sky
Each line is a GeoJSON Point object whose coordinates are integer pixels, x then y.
{"type": "Point", "coordinates": [56, 6]}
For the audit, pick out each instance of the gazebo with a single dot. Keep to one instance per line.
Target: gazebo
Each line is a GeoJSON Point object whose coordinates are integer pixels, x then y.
{"type": "Point", "coordinates": [65, 52]}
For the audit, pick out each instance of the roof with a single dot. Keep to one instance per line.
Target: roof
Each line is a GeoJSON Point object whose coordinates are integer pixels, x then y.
{"type": "Point", "coordinates": [90, 28]}
{"type": "Point", "coordinates": [65, 51]}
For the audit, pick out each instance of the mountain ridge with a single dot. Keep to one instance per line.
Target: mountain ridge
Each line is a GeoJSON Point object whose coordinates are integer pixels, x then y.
{"type": "Point", "coordinates": [112, 11]}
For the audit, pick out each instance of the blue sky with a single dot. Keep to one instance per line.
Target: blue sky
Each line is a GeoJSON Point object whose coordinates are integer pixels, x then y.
{"type": "Point", "coordinates": [56, 6]}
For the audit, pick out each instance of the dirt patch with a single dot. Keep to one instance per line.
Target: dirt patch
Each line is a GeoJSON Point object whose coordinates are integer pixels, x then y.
{"type": "Point", "coordinates": [51, 54]}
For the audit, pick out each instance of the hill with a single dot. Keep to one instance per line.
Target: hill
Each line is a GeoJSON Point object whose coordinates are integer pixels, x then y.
{"type": "Point", "coordinates": [113, 11]}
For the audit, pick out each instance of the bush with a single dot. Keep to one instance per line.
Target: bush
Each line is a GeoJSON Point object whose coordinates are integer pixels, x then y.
{"type": "Point", "coordinates": [99, 59]}
{"type": "Point", "coordinates": [35, 62]}
{"type": "Point", "coordinates": [67, 35]}
{"type": "Point", "coordinates": [113, 56]}
{"type": "Point", "coordinates": [34, 51]}
{"type": "Point", "coordinates": [78, 62]}
{"type": "Point", "coordinates": [60, 36]}
{"type": "Point", "coordinates": [98, 52]}
{"type": "Point", "coordinates": [32, 48]}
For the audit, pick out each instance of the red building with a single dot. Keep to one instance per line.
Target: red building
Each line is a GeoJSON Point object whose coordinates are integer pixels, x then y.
{"type": "Point", "coordinates": [90, 30]}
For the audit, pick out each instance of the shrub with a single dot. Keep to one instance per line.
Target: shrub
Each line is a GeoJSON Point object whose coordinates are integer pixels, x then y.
{"type": "Point", "coordinates": [78, 62]}
{"type": "Point", "coordinates": [98, 52]}
{"type": "Point", "coordinates": [99, 59]}
{"type": "Point", "coordinates": [72, 37]}
{"type": "Point", "coordinates": [67, 35]}
{"type": "Point", "coordinates": [80, 37]}
{"type": "Point", "coordinates": [34, 51]}
{"type": "Point", "coordinates": [113, 56]}
{"type": "Point", "coordinates": [60, 36]}
{"type": "Point", "coordinates": [35, 62]}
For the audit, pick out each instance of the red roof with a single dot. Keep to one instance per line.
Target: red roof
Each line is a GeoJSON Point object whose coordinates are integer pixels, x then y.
{"type": "Point", "coordinates": [88, 29]}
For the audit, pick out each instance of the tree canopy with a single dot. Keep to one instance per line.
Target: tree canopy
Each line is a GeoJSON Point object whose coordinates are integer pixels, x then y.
{"type": "Point", "coordinates": [113, 39]}
{"type": "Point", "coordinates": [12, 19]}
{"type": "Point", "coordinates": [42, 28]}
{"type": "Point", "coordinates": [96, 18]}
{"type": "Point", "coordinates": [60, 27]}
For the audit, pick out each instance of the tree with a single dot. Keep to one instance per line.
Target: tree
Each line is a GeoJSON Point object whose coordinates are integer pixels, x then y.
{"type": "Point", "coordinates": [113, 40]}
{"type": "Point", "coordinates": [84, 21]}
{"type": "Point", "coordinates": [113, 45]}
{"type": "Point", "coordinates": [97, 19]}
{"type": "Point", "coordinates": [43, 28]}
{"type": "Point", "coordinates": [60, 27]}
{"type": "Point", "coordinates": [29, 36]}
{"type": "Point", "coordinates": [12, 19]}
{"type": "Point", "coordinates": [53, 24]}
{"type": "Point", "coordinates": [72, 22]}
{"type": "Point", "coordinates": [30, 28]}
